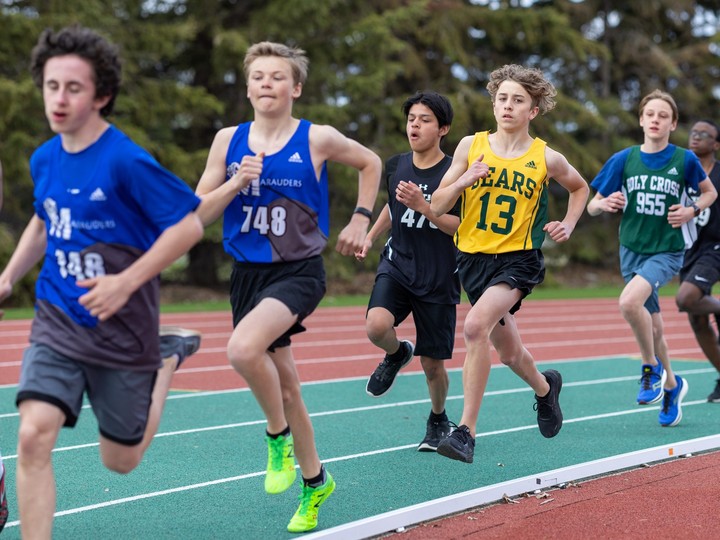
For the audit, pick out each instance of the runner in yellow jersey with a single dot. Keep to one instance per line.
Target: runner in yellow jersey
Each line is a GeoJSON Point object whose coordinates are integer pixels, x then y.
{"type": "Point", "coordinates": [503, 178]}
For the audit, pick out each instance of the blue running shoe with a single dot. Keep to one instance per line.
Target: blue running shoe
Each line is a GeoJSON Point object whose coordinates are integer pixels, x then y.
{"type": "Point", "coordinates": [651, 383]}
{"type": "Point", "coordinates": [671, 410]}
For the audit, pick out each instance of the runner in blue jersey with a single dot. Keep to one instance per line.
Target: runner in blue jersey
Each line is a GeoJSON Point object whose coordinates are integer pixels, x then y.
{"type": "Point", "coordinates": [701, 268]}
{"type": "Point", "coordinates": [268, 178]}
{"type": "Point", "coordinates": [650, 184]}
{"type": "Point", "coordinates": [108, 218]}
{"type": "Point", "coordinates": [417, 272]}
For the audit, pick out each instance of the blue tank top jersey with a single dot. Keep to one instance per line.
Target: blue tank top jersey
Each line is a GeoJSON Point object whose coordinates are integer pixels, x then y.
{"type": "Point", "coordinates": [283, 215]}
{"type": "Point", "coordinates": [103, 208]}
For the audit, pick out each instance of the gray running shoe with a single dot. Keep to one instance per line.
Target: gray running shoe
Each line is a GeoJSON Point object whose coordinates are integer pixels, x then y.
{"type": "Point", "coordinates": [180, 341]}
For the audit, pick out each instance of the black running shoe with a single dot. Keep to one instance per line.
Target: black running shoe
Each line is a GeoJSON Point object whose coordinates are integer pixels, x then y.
{"type": "Point", "coordinates": [383, 377]}
{"type": "Point", "coordinates": [459, 445]}
{"type": "Point", "coordinates": [714, 397]}
{"type": "Point", "coordinates": [549, 415]}
{"type": "Point", "coordinates": [3, 502]}
{"type": "Point", "coordinates": [434, 433]}
{"type": "Point", "coordinates": [179, 341]}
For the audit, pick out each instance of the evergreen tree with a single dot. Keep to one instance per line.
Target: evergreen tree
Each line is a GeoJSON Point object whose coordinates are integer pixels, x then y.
{"type": "Point", "coordinates": [183, 80]}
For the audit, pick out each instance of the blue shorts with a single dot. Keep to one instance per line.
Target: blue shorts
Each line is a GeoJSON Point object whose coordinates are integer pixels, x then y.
{"type": "Point", "coordinates": [657, 269]}
{"type": "Point", "coordinates": [120, 399]}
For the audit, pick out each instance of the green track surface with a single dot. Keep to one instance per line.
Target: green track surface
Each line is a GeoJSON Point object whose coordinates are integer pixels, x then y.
{"type": "Point", "coordinates": [211, 451]}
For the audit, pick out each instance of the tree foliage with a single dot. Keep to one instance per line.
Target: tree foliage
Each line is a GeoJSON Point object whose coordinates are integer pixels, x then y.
{"type": "Point", "coordinates": [183, 80]}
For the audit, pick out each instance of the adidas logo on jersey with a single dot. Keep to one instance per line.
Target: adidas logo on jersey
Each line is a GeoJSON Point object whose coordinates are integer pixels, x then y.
{"type": "Point", "coordinates": [232, 170]}
{"type": "Point", "coordinates": [98, 195]}
{"type": "Point", "coordinates": [531, 165]}
{"type": "Point", "coordinates": [295, 158]}
{"type": "Point", "coordinates": [673, 171]}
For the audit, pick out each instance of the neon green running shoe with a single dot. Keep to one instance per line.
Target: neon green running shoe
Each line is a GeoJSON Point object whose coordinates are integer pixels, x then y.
{"type": "Point", "coordinates": [306, 517]}
{"type": "Point", "coordinates": [281, 472]}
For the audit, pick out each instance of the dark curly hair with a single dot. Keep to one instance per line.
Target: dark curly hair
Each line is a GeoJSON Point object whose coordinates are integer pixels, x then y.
{"type": "Point", "coordinates": [87, 44]}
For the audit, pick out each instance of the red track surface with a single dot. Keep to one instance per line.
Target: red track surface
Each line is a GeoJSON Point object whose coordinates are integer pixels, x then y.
{"type": "Point", "coordinates": [673, 500]}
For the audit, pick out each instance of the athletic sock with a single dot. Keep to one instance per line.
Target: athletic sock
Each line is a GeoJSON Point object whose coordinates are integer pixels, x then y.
{"type": "Point", "coordinates": [398, 355]}
{"type": "Point", "coordinates": [318, 480]}
{"type": "Point", "coordinates": [442, 417]}
{"type": "Point", "coordinates": [284, 433]}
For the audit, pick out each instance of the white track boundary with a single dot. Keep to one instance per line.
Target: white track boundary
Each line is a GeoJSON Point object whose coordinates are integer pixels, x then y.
{"type": "Point", "coordinates": [411, 515]}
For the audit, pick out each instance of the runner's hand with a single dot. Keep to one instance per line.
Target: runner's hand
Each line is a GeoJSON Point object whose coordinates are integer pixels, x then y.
{"type": "Point", "coordinates": [107, 295]}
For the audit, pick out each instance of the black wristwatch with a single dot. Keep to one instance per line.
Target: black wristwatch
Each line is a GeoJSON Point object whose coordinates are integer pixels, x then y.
{"type": "Point", "coordinates": [363, 212]}
{"type": "Point", "coordinates": [696, 208]}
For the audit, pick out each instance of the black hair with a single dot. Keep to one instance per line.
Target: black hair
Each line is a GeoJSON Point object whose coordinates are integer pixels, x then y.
{"type": "Point", "coordinates": [87, 44]}
{"type": "Point", "coordinates": [438, 104]}
{"type": "Point", "coordinates": [713, 124]}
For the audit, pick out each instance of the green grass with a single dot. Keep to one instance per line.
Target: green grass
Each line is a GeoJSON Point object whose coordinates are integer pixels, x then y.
{"type": "Point", "coordinates": [540, 293]}
{"type": "Point", "coordinates": [601, 291]}
{"type": "Point", "coordinates": [18, 313]}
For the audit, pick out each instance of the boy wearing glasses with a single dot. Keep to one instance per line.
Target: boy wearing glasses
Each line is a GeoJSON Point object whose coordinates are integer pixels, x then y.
{"type": "Point", "coordinates": [701, 269]}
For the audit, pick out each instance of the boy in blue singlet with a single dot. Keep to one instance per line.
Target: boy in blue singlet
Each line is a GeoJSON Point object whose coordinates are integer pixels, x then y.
{"type": "Point", "coordinates": [650, 184]}
{"type": "Point", "coordinates": [108, 218]}
{"type": "Point", "coordinates": [417, 272]}
{"type": "Point", "coordinates": [268, 178]}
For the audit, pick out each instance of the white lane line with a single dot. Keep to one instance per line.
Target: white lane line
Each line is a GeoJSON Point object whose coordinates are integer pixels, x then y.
{"type": "Point", "coordinates": [542, 480]}
{"type": "Point", "coordinates": [210, 393]}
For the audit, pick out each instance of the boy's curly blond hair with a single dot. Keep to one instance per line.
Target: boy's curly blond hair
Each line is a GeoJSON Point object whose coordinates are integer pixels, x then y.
{"type": "Point", "coordinates": [542, 92]}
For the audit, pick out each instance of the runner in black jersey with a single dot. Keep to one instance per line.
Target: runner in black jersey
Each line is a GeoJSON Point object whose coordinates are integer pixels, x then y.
{"type": "Point", "coordinates": [701, 268]}
{"type": "Point", "coordinates": [417, 272]}
{"type": "Point", "coordinates": [3, 499]}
